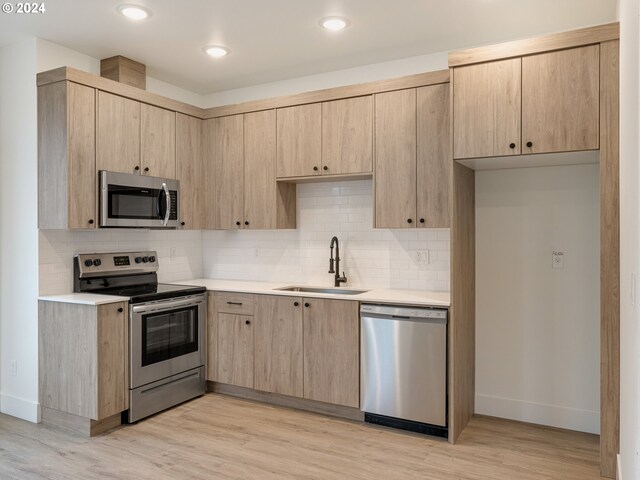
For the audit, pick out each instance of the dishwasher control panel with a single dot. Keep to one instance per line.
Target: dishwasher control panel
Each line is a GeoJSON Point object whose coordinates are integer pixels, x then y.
{"type": "Point", "coordinates": [402, 311]}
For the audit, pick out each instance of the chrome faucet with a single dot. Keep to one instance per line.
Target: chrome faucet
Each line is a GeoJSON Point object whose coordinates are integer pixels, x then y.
{"type": "Point", "coordinates": [339, 279]}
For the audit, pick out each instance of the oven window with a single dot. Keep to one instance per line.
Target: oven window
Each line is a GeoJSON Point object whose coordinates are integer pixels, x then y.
{"type": "Point", "coordinates": [167, 335]}
{"type": "Point", "coordinates": [134, 202]}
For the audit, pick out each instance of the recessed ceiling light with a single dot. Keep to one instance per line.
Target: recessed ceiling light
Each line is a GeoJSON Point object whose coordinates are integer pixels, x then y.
{"type": "Point", "coordinates": [334, 23]}
{"type": "Point", "coordinates": [134, 12]}
{"type": "Point", "coordinates": [216, 51]}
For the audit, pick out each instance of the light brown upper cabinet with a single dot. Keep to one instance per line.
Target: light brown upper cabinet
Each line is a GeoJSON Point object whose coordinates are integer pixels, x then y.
{"type": "Point", "coordinates": [395, 170]}
{"type": "Point", "coordinates": [486, 109]}
{"type": "Point", "coordinates": [278, 345]}
{"type": "Point", "coordinates": [135, 138]}
{"type": "Point", "coordinates": [412, 160]}
{"type": "Point", "coordinates": [561, 100]}
{"type": "Point", "coordinates": [540, 103]}
{"type": "Point", "coordinates": [66, 156]}
{"type": "Point", "coordinates": [347, 136]}
{"type": "Point", "coordinates": [331, 346]}
{"type": "Point", "coordinates": [433, 156]}
{"type": "Point", "coordinates": [190, 171]}
{"type": "Point", "coordinates": [158, 142]}
{"type": "Point", "coordinates": [299, 141]}
{"type": "Point", "coordinates": [241, 174]}
{"type": "Point", "coordinates": [225, 210]}
{"type": "Point", "coordinates": [118, 135]}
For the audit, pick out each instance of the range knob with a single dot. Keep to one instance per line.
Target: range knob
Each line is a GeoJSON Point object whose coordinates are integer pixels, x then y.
{"type": "Point", "coordinates": [97, 262]}
{"type": "Point", "coordinates": [138, 259]}
{"type": "Point", "coordinates": [152, 258]}
{"type": "Point", "coordinates": [88, 263]}
{"type": "Point", "coordinates": [145, 259]}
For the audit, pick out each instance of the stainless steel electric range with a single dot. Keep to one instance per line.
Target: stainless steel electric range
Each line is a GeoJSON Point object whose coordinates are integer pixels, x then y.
{"type": "Point", "coordinates": [167, 348]}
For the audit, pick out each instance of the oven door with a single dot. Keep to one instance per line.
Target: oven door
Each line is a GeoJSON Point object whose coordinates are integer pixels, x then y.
{"type": "Point", "coordinates": [128, 200]}
{"type": "Point", "coordinates": [166, 338]}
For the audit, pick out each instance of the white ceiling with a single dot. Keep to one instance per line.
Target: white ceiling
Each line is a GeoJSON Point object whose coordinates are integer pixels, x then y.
{"type": "Point", "coordinates": [276, 39]}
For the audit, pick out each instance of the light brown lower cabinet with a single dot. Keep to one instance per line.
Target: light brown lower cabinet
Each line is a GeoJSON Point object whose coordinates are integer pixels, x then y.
{"type": "Point", "coordinates": [83, 359]}
{"type": "Point", "coordinates": [278, 345]}
{"type": "Point", "coordinates": [331, 343]}
{"type": "Point", "coordinates": [300, 347]}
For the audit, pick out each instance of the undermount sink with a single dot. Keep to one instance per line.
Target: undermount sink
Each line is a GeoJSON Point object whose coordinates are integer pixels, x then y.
{"type": "Point", "coordinates": [333, 291]}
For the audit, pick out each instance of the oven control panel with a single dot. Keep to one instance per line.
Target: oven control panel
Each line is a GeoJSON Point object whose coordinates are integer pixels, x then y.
{"type": "Point", "coordinates": [99, 264]}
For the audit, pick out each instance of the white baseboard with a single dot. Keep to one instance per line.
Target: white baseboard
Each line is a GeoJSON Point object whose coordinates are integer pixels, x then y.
{"type": "Point", "coordinates": [19, 407]}
{"type": "Point", "coordinates": [619, 469]}
{"type": "Point", "coordinates": [542, 414]}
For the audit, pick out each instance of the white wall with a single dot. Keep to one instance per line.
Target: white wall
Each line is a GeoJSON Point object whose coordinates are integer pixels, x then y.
{"type": "Point", "coordinates": [537, 331]}
{"type": "Point", "coordinates": [370, 258]}
{"type": "Point", "coordinates": [629, 240]}
{"type": "Point", "coordinates": [18, 231]}
{"type": "Point", "coordinates": [348, 76]}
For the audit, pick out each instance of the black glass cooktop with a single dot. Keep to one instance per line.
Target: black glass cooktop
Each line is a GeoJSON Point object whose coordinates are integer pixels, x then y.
{"type": "Point", "coordinates": [150, 292]}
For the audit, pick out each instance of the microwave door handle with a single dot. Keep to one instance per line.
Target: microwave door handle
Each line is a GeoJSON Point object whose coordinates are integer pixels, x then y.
{"type": "Point", "coordinates": [167, 197]}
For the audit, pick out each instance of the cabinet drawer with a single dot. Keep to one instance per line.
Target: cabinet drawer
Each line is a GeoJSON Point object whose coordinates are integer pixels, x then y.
{"type": "Point", "coordinates": [229, 302]}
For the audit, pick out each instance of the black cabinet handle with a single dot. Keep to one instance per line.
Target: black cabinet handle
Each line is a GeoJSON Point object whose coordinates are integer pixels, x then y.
{"type": "Point", "coordinates": [234, 303]}
{"type": "Point", "coordinates": [246, 223]}
{"type": "Point", "coordinates": [146, 169]}
{"type": "Point", "coordinates": [307, 305]}
{"type": "Point", "coordinates": [247, 322]}
{"type": "Point", "coordinates": [529, 144]}
{"type": "Point", "coordinates": [120, 310]}
{"type": "Point", "coordinates": [315, 169]}
{"type": "Point", "coordinates": [512, 145]}
{"type": "Point", "coordinates": [422, 220]}
{"type": "Point", "coordinates": [91, 221]}
{"type": "Point", "coordinates": [409, 220]}
{"type": "Point", "coordinates": [325, 168]}
{"type": "Point", "coordinates": [295, 304]}
{"type": "Point", "coordinates": [238, 223]}
{"type": "Point", "coordinates": [136, 168]}
{"type": "Point", "coordinates": [182, 223]}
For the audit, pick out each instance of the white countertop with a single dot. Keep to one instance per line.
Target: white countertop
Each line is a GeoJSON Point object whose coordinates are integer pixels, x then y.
{"type": "Point", "coordinates": [376, 295]}
{"type": "Point", "coordinates": [84, 298]}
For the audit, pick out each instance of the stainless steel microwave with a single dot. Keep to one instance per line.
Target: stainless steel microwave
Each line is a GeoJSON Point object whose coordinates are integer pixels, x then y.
{"type": "Point", "coordinates": [137, 201]}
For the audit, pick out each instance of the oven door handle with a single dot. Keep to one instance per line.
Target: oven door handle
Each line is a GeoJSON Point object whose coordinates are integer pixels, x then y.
{"type": "Point", "coordinates": [168, 305]}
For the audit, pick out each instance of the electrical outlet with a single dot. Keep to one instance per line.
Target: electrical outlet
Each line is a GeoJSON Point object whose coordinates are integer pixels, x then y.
{"type": "Point", "coordinates": [257, 252]}
{"type": "Point", "coordinates": [558, 259]}
{"type": "Point", "coordinates": [14, 367]}
{"type": "Point", "coordinates": [423, 257]}
{"type": "Point", "coordinates": [172, 253]}
{"type": "Point", "coordinates": [634, 289]}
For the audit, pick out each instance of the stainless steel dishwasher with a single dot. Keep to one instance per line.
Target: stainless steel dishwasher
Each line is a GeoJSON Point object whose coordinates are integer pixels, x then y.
{"type": "Point", "coordinates": [403, 367]}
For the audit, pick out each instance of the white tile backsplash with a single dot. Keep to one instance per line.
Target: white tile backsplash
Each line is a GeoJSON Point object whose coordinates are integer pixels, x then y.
{"type": "Point", "coordinates": [179, 253]}
{"type": "Point", "coordinates": [370, 258]}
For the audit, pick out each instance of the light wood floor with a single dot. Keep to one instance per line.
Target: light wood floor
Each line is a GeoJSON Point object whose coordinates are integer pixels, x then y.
{"type": "Point", "coordinates": [218, 437]}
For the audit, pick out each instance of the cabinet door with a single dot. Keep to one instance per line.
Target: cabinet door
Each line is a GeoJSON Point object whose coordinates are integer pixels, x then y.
{"type": "Point", "coordinates": [190, 171]}
{"type": "Point", "coordinates": [158, 142]}
{"type": "Point", "coordinates": [278, 345]}
{"type": "Point", "coordinates": [235, 349]}
{"type": "Point", "coordinates": [118, 144]}
{"type": "Point", "coordinates": [331, 351]}
{"type": "Point", "coordinates": [486, 109]}
{"type": "Point", "coordinates": [299, 140]}
{"type": "Point", "coordinates": [395, 169]}
{"type": "Point", "coordinates": [560, 101]}
{"type": "Point", "coordinates": [212, 338]}
{"type": "Point", "coordinates": [228, 178]}
{"type": "Point", "coordinates": [260, 189]}
{"type": "Point", "coordinates": [347, 136]}
{"type": "Point", "coordinates": [434, 156]}
{"type": "Point", "coordinates": [112, 381]}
